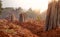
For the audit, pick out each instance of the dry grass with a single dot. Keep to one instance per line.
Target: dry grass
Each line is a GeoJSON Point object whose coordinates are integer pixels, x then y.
{"type": "Point", "coordinates": [26, 29]}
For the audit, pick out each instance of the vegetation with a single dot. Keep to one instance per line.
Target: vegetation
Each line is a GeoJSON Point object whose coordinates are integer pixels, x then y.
{"type": "Point", "coordinates": [0, 6]}
{"type": "Point", "coordinates": [26, 29]}
{"type": "Point", "coordinates": [53, 16]}
{"type": "Point", "coordinates": [31, 27]}
{"type": "Point", "coordinates": [38, 18]}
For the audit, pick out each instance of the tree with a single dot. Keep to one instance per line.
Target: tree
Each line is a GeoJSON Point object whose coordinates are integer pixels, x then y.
{"type": "Point", "coordinates": [52, 19]}
{"type": "Point", "coordinates": [0, 6]}
{"type": "Point", "coordinates": [20, 10]}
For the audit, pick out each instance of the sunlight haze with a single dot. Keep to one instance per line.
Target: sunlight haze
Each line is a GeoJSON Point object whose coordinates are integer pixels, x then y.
{"type": "Point", "coordinates": [26, 4]}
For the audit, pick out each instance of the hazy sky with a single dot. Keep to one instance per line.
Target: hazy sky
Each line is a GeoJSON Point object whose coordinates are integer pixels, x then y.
{"type": "Point", "coordinates": [26, 4]}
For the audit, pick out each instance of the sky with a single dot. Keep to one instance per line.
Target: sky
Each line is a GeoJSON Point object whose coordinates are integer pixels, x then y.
{"type": "Point", "coordinates": [26, 4]}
